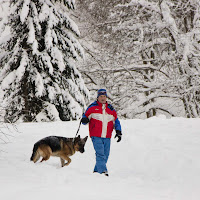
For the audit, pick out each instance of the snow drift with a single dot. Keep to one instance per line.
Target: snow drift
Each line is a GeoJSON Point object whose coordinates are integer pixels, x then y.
{"type": "Point", "coordinates": [157, 159]}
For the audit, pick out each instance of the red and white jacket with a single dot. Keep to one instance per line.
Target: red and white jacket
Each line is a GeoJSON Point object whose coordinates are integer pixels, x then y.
{"type": "Point", "coordinates": [103, 118]}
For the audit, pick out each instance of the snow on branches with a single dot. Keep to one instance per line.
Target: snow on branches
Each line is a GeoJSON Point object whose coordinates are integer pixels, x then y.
{"type": "Point", "coordinates": [37, 62]}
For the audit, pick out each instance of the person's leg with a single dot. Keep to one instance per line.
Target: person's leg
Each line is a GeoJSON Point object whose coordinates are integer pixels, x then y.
{"type": "Point", "coordinates": [98, 144]}
{"type": "Point", "coordinates": [106, 142]}
{"type": "Point", "coordinates": [106, 148]}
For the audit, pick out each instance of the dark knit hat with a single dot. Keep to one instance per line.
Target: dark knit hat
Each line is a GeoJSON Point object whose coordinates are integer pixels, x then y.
{"type": "Point", "coordinates": [101, 92]}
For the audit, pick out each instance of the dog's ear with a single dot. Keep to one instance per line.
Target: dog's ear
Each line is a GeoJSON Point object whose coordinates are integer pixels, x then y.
{"type": "Point", "coordinates": [85, 139]}
{"type": "Point", "coordinates": [77, 139]}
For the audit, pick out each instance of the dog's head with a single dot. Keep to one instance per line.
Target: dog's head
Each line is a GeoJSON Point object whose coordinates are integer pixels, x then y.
{"type": "Point", "coordinates": [79, 143]}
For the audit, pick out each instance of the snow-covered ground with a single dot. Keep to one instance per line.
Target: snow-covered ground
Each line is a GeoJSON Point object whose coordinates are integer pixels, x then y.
{"type": "Point", "coordinates": [157, 159]}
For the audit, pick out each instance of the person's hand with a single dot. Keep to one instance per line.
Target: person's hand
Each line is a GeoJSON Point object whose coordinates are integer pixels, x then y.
{"type": "Point", "coordinates": [85, 120]}
{"type": "Point", "coordinates": [118, 135]}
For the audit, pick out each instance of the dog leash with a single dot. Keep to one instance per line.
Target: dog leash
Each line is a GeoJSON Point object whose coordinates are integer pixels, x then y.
{"type": "Point", "coordinates": [79, 126]}
{"type": "Point", "coordinates": [77, 131]}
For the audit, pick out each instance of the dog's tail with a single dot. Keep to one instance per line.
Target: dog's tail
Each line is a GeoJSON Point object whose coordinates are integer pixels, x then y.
{"type": "Point", "coordinates": [34, 151]}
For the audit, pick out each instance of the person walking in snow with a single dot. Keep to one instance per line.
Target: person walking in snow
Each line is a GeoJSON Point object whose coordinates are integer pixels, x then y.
{"type": "Point", "coordinates": [102, 118]}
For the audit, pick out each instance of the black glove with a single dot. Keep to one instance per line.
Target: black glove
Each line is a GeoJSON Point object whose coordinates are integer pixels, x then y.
{"type": "Point", "coordinates": [119, 135]}
{"type": "Point", "coordinates": [85, 120]}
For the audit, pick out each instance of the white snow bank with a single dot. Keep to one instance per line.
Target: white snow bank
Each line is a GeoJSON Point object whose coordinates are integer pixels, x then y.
{"type": "Point", "coordinates": [157, 159]}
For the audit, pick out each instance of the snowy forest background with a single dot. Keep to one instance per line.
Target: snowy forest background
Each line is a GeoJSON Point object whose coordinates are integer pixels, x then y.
{"type": "Point", "coordinates": [55, 54]}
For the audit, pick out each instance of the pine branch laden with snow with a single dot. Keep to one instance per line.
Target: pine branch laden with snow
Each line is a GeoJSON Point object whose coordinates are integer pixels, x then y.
{"type": "Point", "coordinates": [38, 73]}
{"type": "Point", "coordinates": [69, 3]}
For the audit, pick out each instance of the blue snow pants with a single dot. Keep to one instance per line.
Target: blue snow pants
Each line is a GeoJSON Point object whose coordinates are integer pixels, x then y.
{"type": "Point", "coordinates": [102, 149]}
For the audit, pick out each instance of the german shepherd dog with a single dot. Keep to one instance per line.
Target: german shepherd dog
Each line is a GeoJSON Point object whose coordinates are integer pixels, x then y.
{"type": "Point", "coordinates": [58, 146]}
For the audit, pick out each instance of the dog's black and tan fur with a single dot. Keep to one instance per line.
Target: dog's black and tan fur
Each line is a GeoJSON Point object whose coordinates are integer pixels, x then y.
{"type": "Point", "coordinates": [58, 146]}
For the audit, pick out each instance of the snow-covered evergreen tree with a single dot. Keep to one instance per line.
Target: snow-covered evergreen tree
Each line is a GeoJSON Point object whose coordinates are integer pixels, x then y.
{"type": "Point", "coordinates": [37, 64]}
